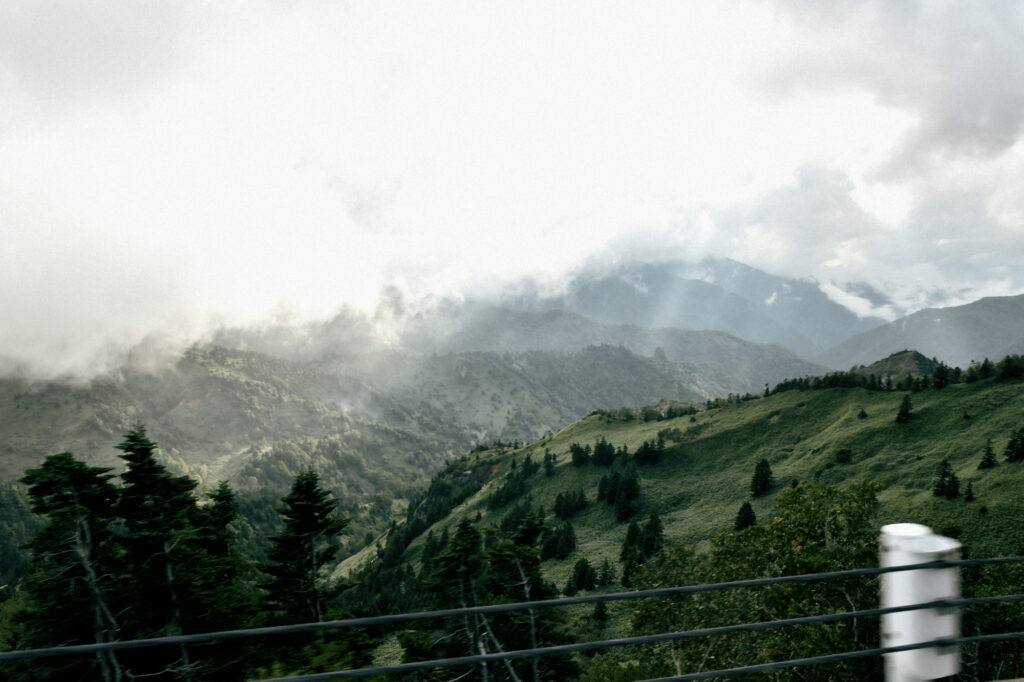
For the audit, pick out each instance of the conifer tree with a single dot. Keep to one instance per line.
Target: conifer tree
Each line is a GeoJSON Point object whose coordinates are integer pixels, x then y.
{"type": "Point", "coordinates": [652, 536]}
{"type": "Point", "coordinates": [155, 508]}
{"type": "Point", "coordinates": [762, 481]}
{"type": "Point", "coordinates": [606, 576]}
{"type": "Point", "coordinates": [73, 588]}
{"type": "Point", "coordinates": [745, 518]}
{"type": "Point", "coordinates": [296, 556]}
{"type": "Point", "coordinates": [988, 457]}
{"type": "Point", "coordinates": [1015, 447]}
{"type": "Point", "coordinates": [946, 484]}
{"type": "Point", "coordinates": [903, 415]}
{"type": "Point", "coordinates": [627, 495]}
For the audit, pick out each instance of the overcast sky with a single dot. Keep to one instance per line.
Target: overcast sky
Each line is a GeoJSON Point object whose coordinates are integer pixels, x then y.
{"type": "Point", "coordinates": [166, 167]}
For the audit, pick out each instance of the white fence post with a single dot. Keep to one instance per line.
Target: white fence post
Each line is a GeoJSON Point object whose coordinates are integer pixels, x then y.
{"type": "Point", "coordinates": [911, 543]}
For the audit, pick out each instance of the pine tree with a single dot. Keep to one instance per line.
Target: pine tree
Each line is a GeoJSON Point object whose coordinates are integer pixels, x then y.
{"type": "Point", "coordinates": [74, 587]}
{"type": "Point", "coordinates": [652, 536]}
{"type": "Point", "coordinates": [215, 595]}
{"type": "Point", "coordinates": [946, 484]}
{"type": "Point", "coordinates": [903, 416]}
{"type": "Point", "coordinates": [988, 458]}
{"type": "Point", "coordinates": [296, 556]}
{"type": "Point", "coordinates": [155, 508]}
{"type": "Point", "coordinates": [1015, 447]}
{"type": "Point", "coordinates": [745, 518]}
{"type": "Point", "coordinates": [627, 496]}
{"type": "Point", "coordinates": [762, 481]}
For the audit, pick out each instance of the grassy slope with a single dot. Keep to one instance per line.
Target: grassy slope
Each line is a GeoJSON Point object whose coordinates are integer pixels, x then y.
{"type": "Point", "coordinates": [704, 478]}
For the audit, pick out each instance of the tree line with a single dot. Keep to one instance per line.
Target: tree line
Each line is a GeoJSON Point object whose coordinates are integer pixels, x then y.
{"type": "Point", "coordinates": [140, 555]}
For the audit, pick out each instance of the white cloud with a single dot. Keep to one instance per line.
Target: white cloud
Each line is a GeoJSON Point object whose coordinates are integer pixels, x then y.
{"type": "Point", "coordinates": [165, 166]}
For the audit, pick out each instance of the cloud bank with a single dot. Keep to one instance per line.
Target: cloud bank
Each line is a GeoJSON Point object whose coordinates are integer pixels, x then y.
{"type": "Point", "coordinates": [168, 168]}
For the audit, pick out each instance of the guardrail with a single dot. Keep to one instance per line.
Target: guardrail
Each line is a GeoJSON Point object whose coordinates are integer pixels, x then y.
{"type": "Point", "coordinates": [920, 607]}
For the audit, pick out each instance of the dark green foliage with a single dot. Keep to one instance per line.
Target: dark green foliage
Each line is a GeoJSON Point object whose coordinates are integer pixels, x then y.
{"type": "Point", "coordinates": [621, 491]}
{"type": "Point", "coordinates": [600, 614]}
{"type": "Point", "coordinates": [969, 494]}
{"type": "Point", "coordinates": [580, 454]}
{"type": "Point", "coordinates": [903, 415]}
{"type": "Point", "coordinates": [514, 486]}
{"type": "Point", "coordinates": [745, 517]}
{"type": "Point", "coordinates": [604, 453]}
{"type": "Point", "coordinates": [640, 544]}
{"type": "Point", "coordinates": [649, 452]}
{"type": "Point", "coordinates": [1014, 451]}
{"type": "Point", "coordinates": [606, 576]}
{"type": "Point", "coordinates": [515, 517]}
{"type": "Point", "coordinates": [558, 542]}
{"type": "Point", "coordinates": [946, 483]}
{"type": "Point", "coordinates": [627, 497]}
{"type": "Point", "coordinates": [762, 481]}
{"type": "Point", "coordinates": [141, 560]}
{"type": "Point", "coordinates": [296, 593]}
{"type": "Point", "coordinates": [467, 574]}
{"type": "Point", "coordinates": [862, 414]}
{"type": "Point", "coordinates": [156, 509]}
{"type": "Point", "coordinates": [73, 588]}
{"type": "Point", "coordinates": [814, 528]}
{"type": "Point", "coordinates": [583, 577]}
{"type": "Point", "coordinates": [652, 537]}
{"type": "Point", "coordinates": [1010, 367]}
{"type": "Point", "coordinates": [988, 457]}
{"type": "Point", "coordinates": [549, 463]}
{"type": "Point", "coordinates": [529, 467]}
{"type": "Point", "coordinates": [568, 504]}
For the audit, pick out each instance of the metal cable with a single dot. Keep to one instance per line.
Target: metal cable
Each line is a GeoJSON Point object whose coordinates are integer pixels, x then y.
{"type": "Point", "coordinates": [521, 606]}
{"type": "Point", "coordinates": [670, 636]}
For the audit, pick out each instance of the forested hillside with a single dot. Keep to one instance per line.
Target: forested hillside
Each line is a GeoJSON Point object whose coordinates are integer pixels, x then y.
{"type": "Point", "coordinates": [796, 479]}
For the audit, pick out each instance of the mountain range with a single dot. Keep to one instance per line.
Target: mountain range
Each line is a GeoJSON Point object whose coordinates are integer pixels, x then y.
{"type": "Point", "coordinates": [381, 401]}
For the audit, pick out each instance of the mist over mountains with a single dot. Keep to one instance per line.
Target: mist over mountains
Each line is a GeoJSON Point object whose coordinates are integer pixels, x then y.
{"type": "Point", "coordinates": [381, 400]}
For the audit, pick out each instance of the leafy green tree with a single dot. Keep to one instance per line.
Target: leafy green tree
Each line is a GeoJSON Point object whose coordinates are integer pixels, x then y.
{"type": "Point", "coordinates": [988, 457]}
{"type": "Point", "coordinates": [814, 528]}
{"type": "Point", "coordinates": [903, 415]}
{"type": "Point", "coordinates": [762, 481]}
{"type": "Point", "coordinates": [745, 518]}
{"type": "Point", "coordinates": [296, 592]}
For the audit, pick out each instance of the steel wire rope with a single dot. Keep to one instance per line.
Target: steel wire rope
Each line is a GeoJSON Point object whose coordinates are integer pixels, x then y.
{"type": "Point", "coordinates": [521, 606]}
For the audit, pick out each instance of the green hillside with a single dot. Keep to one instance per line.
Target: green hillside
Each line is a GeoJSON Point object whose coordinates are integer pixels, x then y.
{"type": "Point", "coordinates": [704, 474]}
{"type": "Point", "coordinates": [831, 448]}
